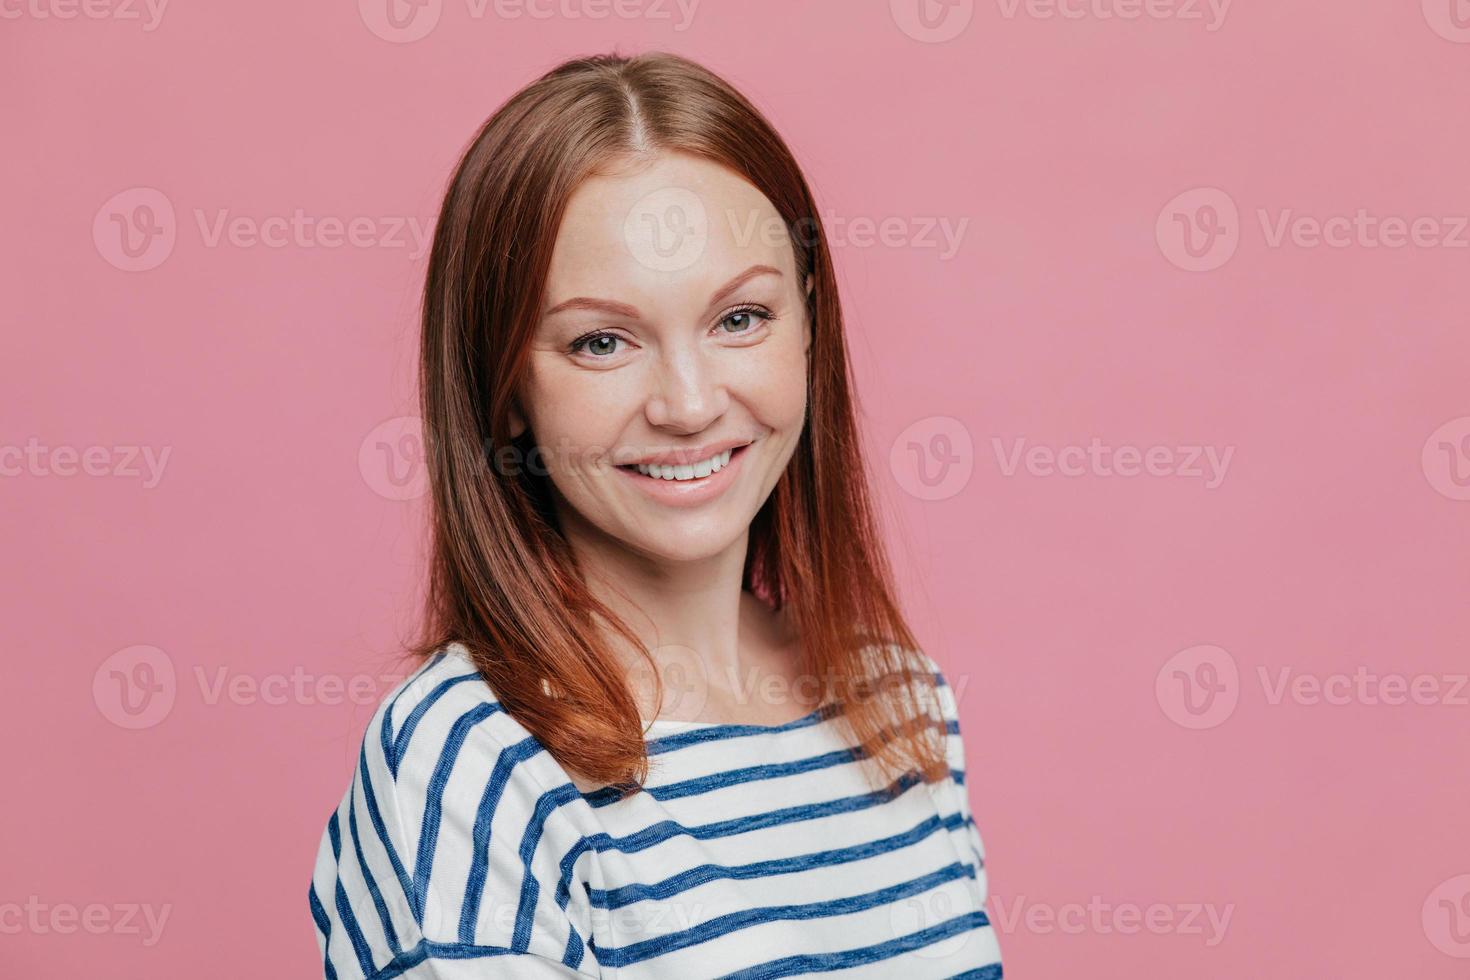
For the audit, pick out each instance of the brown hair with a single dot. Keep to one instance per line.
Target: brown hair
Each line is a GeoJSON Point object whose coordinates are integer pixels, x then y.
{"type": "Point", "coordinates": [502, 580]}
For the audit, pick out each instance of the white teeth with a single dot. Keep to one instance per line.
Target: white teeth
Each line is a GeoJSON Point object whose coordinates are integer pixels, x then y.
{"type": "Point", "coordinates": [693, 471]}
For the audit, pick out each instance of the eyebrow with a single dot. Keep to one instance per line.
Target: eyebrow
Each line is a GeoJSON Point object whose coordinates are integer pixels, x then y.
{"type": "Point", "coordinates": [631, 312]}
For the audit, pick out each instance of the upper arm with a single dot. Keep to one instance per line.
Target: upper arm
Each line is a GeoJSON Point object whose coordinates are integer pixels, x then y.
{"type": "Point", "coordinates": [442, 860]}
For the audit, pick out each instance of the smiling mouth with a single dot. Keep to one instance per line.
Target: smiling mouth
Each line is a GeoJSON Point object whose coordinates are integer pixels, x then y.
{"type": "Point", "coordinates": [686, 473]}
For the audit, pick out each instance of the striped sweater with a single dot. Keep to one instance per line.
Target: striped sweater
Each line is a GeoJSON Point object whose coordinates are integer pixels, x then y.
{"type": "Point", "coordinates": [462, 849]}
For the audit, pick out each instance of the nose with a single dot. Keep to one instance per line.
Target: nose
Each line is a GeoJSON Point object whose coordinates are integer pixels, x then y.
{"type": "Point", "coordinates": [687, 393]}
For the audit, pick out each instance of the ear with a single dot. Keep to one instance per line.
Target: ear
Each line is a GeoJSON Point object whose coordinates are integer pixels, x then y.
{"type": "Point", "coordinates": [517, 421]}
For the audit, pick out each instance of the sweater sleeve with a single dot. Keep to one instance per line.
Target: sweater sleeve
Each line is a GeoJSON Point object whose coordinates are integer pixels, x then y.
{"type": "Point", "coordinates": [443, 860]}
{"type": "Point", "coordinates": [967, 839]}
{"type": "Point", "coordinates": [955, 753]}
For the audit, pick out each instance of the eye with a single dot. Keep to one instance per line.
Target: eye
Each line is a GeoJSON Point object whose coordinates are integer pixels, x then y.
{"type": "Point", "coordinates": [597, 344]}
{"type": "Point", "coordinates": [746, 318]}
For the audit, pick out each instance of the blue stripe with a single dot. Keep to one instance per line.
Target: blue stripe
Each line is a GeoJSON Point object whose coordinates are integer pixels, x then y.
{"type": "Point", "coordinates": [616, 898]}
{"type": "Point", "coordinates": [359, 944]}
{"type": "Point", "coordinates": [323, 923]}
{"type": "Point", "coordinates": [730, 777]}
{"type": "Point", "coordinates": [575, 949]}
{"type": "Point", "coordinates": [367, 876]}
{"type": "Point", "coordinates": [385, 731]}
{"type": "Point", "coordinates": [777, 968]}
{"type": "Point", "coordinates": [609, 795]}
{"type": "Point", "coordinates": [665, 829]}
{"type": "Point", "coordinates": [344, 908]}
{"type": "Point", "coordinates": [745, 918]}
{"type": "Point", "coordinates": [824, 962]}
{"type": "Point", "coordinates": [427, 950]}
{"type": "Point", "coordinates": [381, 829]}
{"type": "Point", "coordinates": [715, 733]}
{"type": "Point", "coordinates": [474, 891]}
{"type": "Point", "coordinates": [417, 714]}
{"type": "Point", "coordinates": [319, 914]}
{"type": "Point", "coordinates": [434, 806]}
{"type": "Point", "coordinates": [530, 887]}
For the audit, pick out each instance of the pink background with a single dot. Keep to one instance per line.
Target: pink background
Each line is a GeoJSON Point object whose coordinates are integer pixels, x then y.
{"type": "Point", "coordinates": [1332, 834]}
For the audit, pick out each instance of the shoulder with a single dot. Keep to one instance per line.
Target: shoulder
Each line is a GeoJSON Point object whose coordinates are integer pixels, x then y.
{"type": "Point", "coordinates": [455, 753]}
{"type": "Point", "coordinates": [444, 713]}
{"type": "Point", "coordinates": [947, 699]}
{"type": "Point", "coordinates": [443, 836]}
{"type": "Point", "coordinates": [942, 702]}
{"type": "Point", "coordinates": [929, 689]}
{"type": "Point", "coordinates": [929, 683]}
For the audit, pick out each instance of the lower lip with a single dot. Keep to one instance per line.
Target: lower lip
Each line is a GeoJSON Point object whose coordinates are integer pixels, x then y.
{"type": "Point", "coordinates": [688, 493]}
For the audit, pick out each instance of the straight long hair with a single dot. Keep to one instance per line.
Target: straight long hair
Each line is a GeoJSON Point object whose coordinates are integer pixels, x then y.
{"type": "Point", "coordinates": [503, 581]}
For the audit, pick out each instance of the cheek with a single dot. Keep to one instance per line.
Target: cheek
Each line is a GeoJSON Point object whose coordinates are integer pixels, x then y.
{"type": "Point", "coordinates": [774, 385]}
{"type": "Point", "coordinates": [576, 409]}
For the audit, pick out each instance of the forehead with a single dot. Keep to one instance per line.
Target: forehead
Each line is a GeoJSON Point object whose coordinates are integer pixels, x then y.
{"type": "Point", "coordinates": [673, 221]}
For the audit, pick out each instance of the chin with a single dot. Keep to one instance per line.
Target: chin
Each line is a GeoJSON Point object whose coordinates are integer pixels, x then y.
{"type": "Point", "coordinates": [687, 540]}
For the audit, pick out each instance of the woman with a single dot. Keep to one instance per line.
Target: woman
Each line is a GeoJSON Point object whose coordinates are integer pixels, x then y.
{"type": "Point", "coordinates": [670, 721]}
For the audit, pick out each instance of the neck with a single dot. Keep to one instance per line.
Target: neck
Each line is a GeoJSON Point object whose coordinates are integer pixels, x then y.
{"type": "Point", "coordinates": [708, 638]}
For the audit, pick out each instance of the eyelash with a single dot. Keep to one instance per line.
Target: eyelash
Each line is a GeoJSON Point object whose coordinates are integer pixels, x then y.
{"type": "Point", "coordinates": [580, 344]}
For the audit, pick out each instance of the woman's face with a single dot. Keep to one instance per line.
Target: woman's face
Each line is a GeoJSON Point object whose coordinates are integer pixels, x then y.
{"type": "Point", "coordinates": [673, 330]}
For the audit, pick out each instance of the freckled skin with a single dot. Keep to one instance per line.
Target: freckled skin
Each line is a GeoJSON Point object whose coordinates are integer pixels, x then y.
{"type": "Point", "coordinates": [679, 375]}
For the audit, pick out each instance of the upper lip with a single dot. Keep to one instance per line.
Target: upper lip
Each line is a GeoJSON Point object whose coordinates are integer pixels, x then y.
{"type": "Point", "coordinates": [686, 457]}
